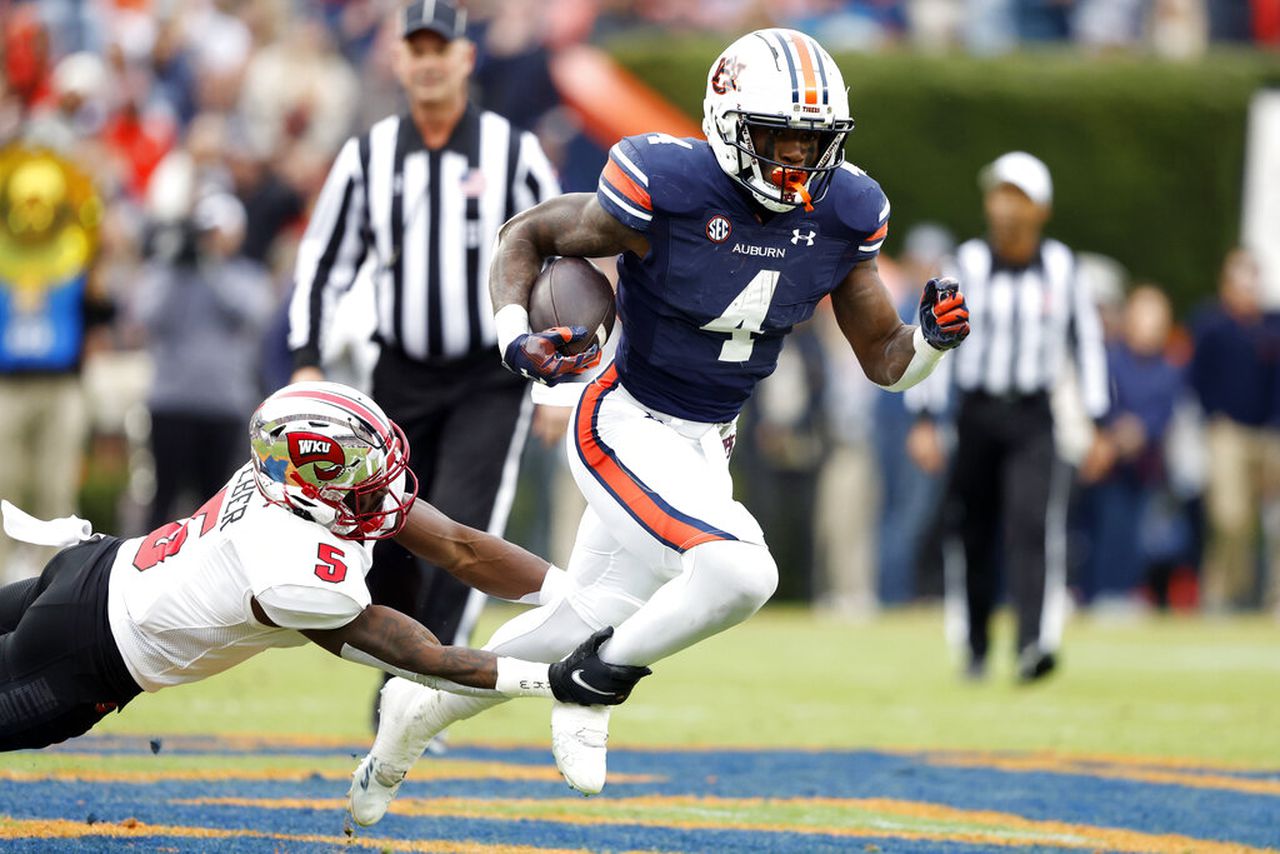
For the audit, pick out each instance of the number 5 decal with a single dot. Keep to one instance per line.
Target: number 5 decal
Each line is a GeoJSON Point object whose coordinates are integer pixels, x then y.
{"type": "Point", "coordinates": [744, 316]}
{"type": "Point", "coordinates": [331, 566]}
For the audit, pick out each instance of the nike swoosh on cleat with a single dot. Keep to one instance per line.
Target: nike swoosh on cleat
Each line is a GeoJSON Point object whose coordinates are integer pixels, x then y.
{"type": "Point", "coordinates": [576, 676]}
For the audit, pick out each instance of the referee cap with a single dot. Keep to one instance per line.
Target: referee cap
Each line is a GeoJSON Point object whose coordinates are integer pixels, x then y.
{"type": "Point", "coordinates": [1022, 170]}
{"type": "Point", "coordinates": [439, 16]}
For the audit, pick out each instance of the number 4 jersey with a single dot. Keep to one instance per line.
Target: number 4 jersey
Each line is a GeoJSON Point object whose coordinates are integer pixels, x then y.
{"type": "Point", "coordinates": [179, 598]}
{"type": "Point", "coordinates": [705, 312]}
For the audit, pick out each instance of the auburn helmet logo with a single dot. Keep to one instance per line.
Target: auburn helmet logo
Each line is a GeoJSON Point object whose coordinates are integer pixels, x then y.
{"type": "Point", "coordinates": [726, 76]}
{"type": "Point", "coordinates": [314, 448]}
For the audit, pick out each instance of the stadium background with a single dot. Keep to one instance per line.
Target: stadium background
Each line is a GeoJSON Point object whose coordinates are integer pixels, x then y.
{"type": "Point", "coordinates": [1146, 137]}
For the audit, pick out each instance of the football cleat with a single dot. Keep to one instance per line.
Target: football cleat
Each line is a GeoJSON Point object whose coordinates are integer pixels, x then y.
{"type": "Point", "coordinates": [579, 743]}
{"type": "Point", "coordinates": [403, 733]}
{"type": "Point", "coordinates": [373, 787]}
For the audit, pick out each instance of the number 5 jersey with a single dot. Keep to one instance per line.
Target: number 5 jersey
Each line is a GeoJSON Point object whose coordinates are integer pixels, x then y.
{"type": "Point", "coordinates": [179, 598]}
{"type": "Point", "coordinates": [705, 312]}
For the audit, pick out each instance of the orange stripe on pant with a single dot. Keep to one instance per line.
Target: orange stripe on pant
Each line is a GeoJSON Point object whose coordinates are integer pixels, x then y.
{"type": "Point", "coordinates": [629, 491]}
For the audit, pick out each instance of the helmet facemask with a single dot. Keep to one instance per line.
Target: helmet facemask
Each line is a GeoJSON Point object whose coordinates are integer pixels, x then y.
{"type": "Point", "coordinates": [783, 185]}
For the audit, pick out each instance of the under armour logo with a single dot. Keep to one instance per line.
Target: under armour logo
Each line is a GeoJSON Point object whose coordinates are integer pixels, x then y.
{"type": "Point", "coordinates": [796, 237]}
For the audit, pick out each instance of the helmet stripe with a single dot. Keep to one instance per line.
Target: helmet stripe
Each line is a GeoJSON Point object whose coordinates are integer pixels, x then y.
{"type": "Point", "coordinates": [822, 67]}
{"type": "Point", "coordinates": [806, 66]}
{"type": "Point", "coordinates": [791, 66]}
{"type": "Point", "coordinates": [350, 404]}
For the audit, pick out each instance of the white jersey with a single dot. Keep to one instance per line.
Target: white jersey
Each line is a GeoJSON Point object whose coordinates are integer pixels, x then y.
{"type": "Point", "coordinates": [179, 598]}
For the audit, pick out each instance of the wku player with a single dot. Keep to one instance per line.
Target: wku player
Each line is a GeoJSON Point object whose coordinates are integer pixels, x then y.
{"type": "Point", "coordinates": [276, 558]}
{"type": "Point", "coordinates": [726, 244]}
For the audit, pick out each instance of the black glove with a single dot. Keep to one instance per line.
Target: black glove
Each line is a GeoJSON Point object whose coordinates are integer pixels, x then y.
{"type": "Point", "coordinates": [582, 678]}
{"type": "Point", "coordinates": [944, 317]}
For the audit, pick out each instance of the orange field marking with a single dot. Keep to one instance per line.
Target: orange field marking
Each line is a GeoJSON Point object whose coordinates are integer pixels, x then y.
{"type": "Point", "coordinates": [435, 770]}
{"type": "Point", "coordinates": [999, 829]}
{"type": "Point", "coordinates": [1124, 771]}
{"type": "Point", "coordinates": [131, 829]}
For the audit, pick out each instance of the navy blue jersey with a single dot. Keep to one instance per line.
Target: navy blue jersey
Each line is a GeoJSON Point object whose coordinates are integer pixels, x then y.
{"type": "Point", "coordinates": [704, 313]}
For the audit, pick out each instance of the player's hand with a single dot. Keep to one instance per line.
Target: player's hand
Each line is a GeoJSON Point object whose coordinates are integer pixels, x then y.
{"type": "Point", "coordinates": [944, 317]}
{"type": "Point", "coordinates": [581, 677]}
{"type": "Point", "coordinates": [537, 355]}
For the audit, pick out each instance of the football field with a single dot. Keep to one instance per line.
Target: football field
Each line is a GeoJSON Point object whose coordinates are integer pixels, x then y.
{"type": "Point", "coordinates": [788, 733]}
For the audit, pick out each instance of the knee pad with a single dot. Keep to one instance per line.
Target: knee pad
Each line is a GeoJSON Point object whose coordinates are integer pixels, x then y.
{"type": "Point", "coordinates": [743, 574]}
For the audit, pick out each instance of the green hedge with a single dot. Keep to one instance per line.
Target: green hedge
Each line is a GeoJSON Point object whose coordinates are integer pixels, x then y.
{"type": "Point", "coordinates": [1147, 156]}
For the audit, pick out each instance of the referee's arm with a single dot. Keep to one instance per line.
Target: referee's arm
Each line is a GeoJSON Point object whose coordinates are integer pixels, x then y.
{"type": "Point", "coordinates": [330, 255]}
{"type": "Point", "coordinates": [535, 179]}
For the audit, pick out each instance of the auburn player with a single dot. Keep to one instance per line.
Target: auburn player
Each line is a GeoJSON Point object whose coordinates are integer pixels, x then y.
{"type": "Point", "coordinates": [277, 557]}
{"type": "Point", "coordinates": [726, 244]}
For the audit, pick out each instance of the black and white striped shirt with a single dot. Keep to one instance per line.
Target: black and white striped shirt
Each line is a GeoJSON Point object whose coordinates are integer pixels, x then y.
{"type": "Point", "coordinates": [426, 221]}
{"type": "Point", "coordinates": [1024, 320]}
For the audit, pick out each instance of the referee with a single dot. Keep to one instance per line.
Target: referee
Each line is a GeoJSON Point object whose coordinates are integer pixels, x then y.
{"type": "Point", "coordinates": [421, 196]}
{"type": "Point", "coordinates": [1007, 493]}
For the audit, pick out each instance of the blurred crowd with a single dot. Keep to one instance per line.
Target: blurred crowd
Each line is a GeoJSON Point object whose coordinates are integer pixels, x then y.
{"type": "Point", "coordinates": [159, 158]}
{"type": "Point", "coordinates": [1186, 515]}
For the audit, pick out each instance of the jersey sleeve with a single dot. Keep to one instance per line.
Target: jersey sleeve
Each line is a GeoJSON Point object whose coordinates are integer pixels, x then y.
{"type": "Point", "coordinates": [302, 575]}
{"type": "Point", "coordinates": [623, 190]}
{"type": "Point", "coordinates": [863, 209]}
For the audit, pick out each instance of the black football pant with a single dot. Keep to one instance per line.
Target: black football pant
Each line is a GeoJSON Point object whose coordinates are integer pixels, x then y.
{"type": "Point", "coordinates": [1004, 502]}
{"type": "Point", "coordinates": [192, 452]}
{"type": "Point", "coordinates": [60, 669]}
{"type": "Point", "coordinates": [466, 422]}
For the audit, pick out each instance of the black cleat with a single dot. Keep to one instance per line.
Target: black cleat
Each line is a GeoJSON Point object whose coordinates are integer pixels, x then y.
{"type": "Point", "coordinates": [1034, 665]}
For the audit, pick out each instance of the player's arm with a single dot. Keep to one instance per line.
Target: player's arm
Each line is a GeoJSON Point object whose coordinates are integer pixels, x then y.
{"type": "Point", "coordinates": [575, 225]}
{"type": "Point", "coordinates": [478, 559]}
{"type": "Point", "coordinates": [893, 354]}
{"type": "Point", "coordinates": [384, 638]}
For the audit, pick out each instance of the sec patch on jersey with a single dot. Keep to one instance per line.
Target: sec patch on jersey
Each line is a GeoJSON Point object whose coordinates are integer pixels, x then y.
{"type": "Point", "coordinates": [573, 292]}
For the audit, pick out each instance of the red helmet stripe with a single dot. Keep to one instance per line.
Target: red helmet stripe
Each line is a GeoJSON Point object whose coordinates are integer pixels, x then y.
{"type": "Point", "coordinates": [352, 405]}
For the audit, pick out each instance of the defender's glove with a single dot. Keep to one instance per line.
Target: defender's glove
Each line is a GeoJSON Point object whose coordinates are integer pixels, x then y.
{"type": "Point", "coordinates": [582, 678]}
{"type": "Point", "coordinates": [944, 317]}
{"type": "Point", "coordinates": [537, 355]}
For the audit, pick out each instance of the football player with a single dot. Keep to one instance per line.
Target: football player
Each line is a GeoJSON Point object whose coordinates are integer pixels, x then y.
{"type": "Point", "coordinates": [276, 558]}
{"type": "Point", "coordinates": [725, 244]}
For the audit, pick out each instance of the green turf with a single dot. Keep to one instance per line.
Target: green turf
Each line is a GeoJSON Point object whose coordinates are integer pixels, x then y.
{"type": "Point", "coordinates": [1175, 687]}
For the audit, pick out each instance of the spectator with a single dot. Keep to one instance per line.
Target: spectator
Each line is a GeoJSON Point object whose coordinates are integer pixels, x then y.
{"type": "Point", "coordinates": [1139, 528]}
{"type": "Point", "coordinates": [49, 302]}
{"type": "Point", "coordinates": [202, 304]}
{"type": "Point", "coordinates": [908, 553]}
{"type": "Point", "coordinates": [1234, 374]}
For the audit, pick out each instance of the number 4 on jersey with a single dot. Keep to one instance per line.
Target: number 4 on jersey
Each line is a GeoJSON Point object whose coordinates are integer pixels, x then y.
{"type": "Point", "coordinates": [744, 317]}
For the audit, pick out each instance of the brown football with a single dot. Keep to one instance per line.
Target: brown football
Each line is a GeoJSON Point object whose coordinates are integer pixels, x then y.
{"type": "Point", "coordinates": [573, 292]}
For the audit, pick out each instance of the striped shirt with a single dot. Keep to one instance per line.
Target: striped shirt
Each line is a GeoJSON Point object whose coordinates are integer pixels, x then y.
{"type": "Point", "coordinates": [427, 221]}
{"type": "Point", "coordinates": [1024, 321]}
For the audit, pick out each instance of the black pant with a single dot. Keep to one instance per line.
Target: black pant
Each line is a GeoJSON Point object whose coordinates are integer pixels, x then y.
{"type": "Point", "coordinates": [1000, 486]}
{"type": "Point", "coordinates": [60, 669]}
{"type": "Point", "coordinates": [461, 420]}
{"type": "Point", "coordinates": [193, 452]}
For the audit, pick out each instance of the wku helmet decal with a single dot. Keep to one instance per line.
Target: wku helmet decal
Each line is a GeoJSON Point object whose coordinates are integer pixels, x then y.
{"type": "Point", "coordinates": [315, 448]}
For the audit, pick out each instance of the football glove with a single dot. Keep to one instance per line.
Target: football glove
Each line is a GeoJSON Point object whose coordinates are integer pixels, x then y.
{"type": "Point", "coordinates": [944, 317]}
{"type": "Point", "coordinates": [536, 355]}
{"type": "Point", "coordinates": [582, 678]}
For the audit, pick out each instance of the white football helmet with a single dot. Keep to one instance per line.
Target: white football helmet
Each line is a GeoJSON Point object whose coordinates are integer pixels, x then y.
{"type": "Point", "coordinates": [766, 82]}
{"type": "Point", "coordinates": [329, 454]}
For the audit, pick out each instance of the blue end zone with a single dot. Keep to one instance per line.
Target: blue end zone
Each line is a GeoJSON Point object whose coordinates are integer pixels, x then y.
{"type": "Point", "coordinates": [1198, 811]}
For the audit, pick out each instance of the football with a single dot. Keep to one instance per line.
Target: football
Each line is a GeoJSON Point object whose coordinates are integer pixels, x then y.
{"type": "Point", "coordinates": [573, 292]}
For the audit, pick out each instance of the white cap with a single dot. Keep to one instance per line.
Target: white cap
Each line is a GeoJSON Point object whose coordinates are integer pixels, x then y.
{"type": "Point", "coordinates": [1024, 171]}
{"type": "Point", "coordinates": [79, 74]}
